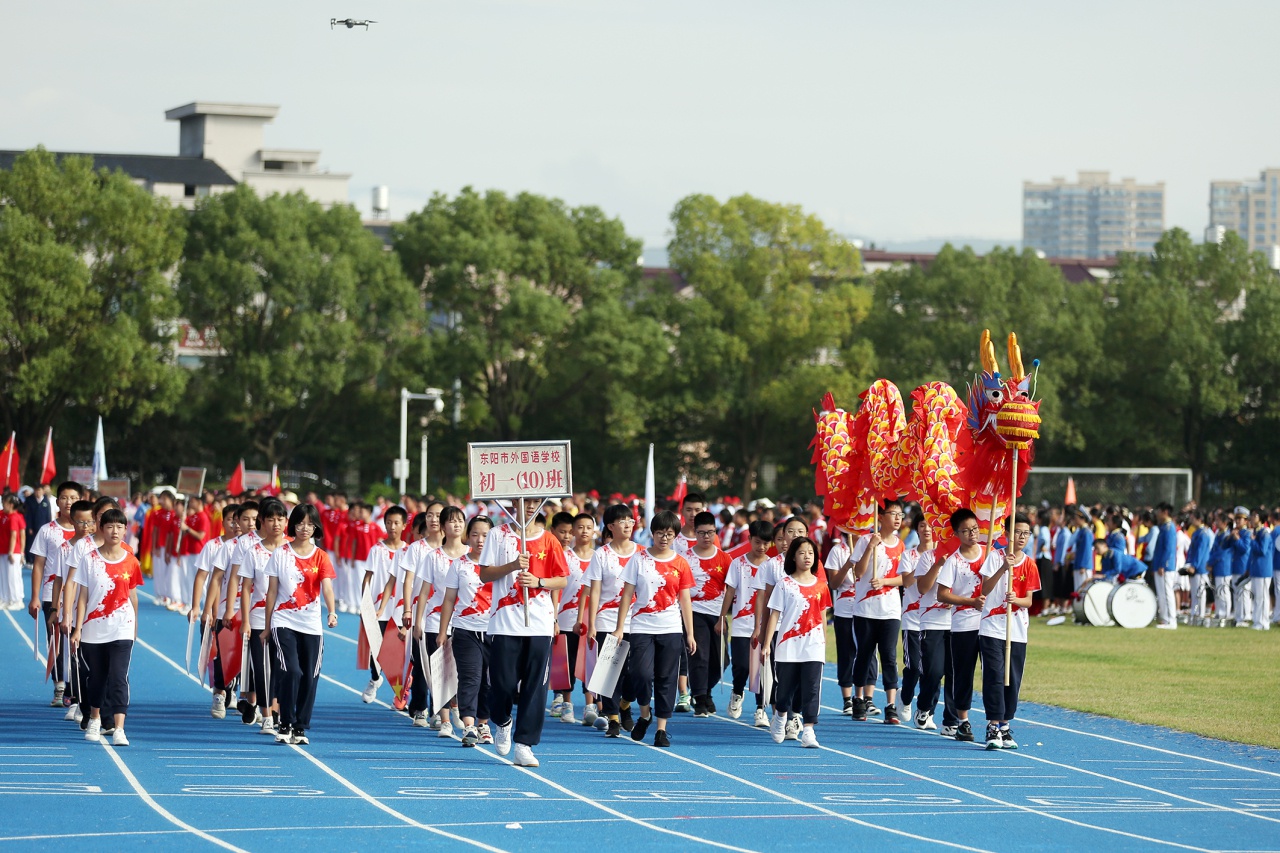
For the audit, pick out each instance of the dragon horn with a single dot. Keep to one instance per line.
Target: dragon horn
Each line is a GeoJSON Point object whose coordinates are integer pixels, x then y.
{"type": "Point", "coordinates": [987, 352]}
{"type": "Point", "coordinates": [1015, 358]}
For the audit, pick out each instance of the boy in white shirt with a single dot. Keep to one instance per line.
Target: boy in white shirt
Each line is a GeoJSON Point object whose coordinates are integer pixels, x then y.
{"type": "Point", "coordinates": [999, 701]}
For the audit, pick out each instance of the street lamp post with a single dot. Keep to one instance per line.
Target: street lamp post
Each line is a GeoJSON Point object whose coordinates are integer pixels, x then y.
{"type": "Point", "coordinates": [436, 397]}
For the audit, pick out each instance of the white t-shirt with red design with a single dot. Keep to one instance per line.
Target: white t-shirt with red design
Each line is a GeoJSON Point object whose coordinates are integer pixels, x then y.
{"type": "Point", "coordinates": [708, 580]}
{"type": "Point", "coordinates": [684, 545]}
{"type": "Point", "coordinates": [380, 566]}
{"type": "Point", "coordinates": [546, 560]}
{"type": "Point", "coordinates": [299, 588]}
{"type": "Point", "coordinates": [802, 620]}
{"type": "Point", "coordinates": [209, 552]}
{"type": "Point", "coordinates": [843, 598]}
{"type": "Point", "coordinates": [934, 615]}
{"type": "Point", "coordinates": [431, 572]}
{"type": "Point", "coordinates": [917, 562]}
{"type": "Point", "coordinates": [741, 579]}
{"type": "Point", "coordinates": [475, 598]}
{"type": "Point", "coordinates": [658, 583]}
{"type": "Point", "coordinates": [109, 615]}
{"type": "Point", "coordinates": [50, 539]}
{"type": "Point", "coordinates": [885, 602]}
{"type": "Point", "coordinates": [964, 578]}
{"type": "Point", "coordinates": [1026, 580]}
{"type": "Point", "coordinates": [606, 566]}
{"type": "Point", "coordinates": [769, 573]}
{"type": "Point", "coordinates": [252, 559]}
{"type": "Point", "coordinates": [571, 595]}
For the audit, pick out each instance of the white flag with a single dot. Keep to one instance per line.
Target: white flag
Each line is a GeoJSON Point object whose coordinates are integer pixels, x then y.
{"type": "Point", "coordinates": [650, 491]}
{"type": "Point", "coordinates": [99, 457]}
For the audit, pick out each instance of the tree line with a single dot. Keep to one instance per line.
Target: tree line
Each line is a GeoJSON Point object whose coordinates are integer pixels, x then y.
{"type": "Point", "coordinates": [538, 318]}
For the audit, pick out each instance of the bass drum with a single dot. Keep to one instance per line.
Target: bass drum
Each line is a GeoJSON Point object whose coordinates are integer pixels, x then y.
{"type": "Point", "coordinates": [1090, 607]}
{"type": "Point", "coordinates": [1132, 604]}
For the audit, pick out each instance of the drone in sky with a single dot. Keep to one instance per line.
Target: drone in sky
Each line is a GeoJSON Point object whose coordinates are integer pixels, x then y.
{"type": "Point", "coordinates": [349, 23]}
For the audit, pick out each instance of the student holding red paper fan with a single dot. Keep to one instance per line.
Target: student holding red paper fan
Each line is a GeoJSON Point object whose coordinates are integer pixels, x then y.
{"type": "Point", "coordinates": [433, 570]}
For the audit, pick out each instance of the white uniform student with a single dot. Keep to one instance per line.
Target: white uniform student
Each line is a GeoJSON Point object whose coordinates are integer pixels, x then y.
{"type": "Point", "coordinates": [226, 566]}
{"type": "Point", "coordinates": [797, 613]}
{"type": "Point", "coordinates": [253, 583]}
{"type": "Point", "coordinates": [840, 574]}
{"type": "Point", "coordinates": [920, 557]}
{"type": "Point", "coordinates": [380, 580]}
{"type": "Point", "coordinates": [1000, 702]}
{"type": "Point", "coordinates": [767, 576]}
{"type": "Point", "coordinates": [208, 600]}
{"type": "Point", "coordinates": [49, 540]}
{"type": "Point", "coordinates": [877, 610]}
{"type": "Point", "coordinates": [739, 604]}
{"type": "Point", "coordinates": [960, 585]}
{"type": "Point", "coordinates": [577, 555]}
{"type": "Point", "coordinates": [468, 603]}
{"type": "Point", "coordinates": [604, 582]}
{"type": "Point", "coordinates": [106, 626]}
{"type": "Point", "coordinates": [433, 571]}
{"type": "Point", "coordinates": [656, 590]}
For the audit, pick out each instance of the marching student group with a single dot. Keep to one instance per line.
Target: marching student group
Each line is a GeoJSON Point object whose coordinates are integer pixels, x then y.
{"type": "Point", "coordinates": [689, 607]}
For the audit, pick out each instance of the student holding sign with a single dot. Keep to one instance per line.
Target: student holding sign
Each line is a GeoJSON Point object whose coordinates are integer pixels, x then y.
{"type": "Point", "coordinates": [600, 609]}
{"type": "Point", "coordinates": [523, 574]}
{"type": "Point", "coordinates": [656, 591]}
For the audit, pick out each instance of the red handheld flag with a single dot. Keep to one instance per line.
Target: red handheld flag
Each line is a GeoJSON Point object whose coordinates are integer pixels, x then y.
{"type": "Point", "coordinates": [235, 486]}
{"type": "Point", "coordinates": [49, 470]}
{"type": "Point", "coordinates": [9, 462]}
{"type": "Point", "coordinates": [682, 490]}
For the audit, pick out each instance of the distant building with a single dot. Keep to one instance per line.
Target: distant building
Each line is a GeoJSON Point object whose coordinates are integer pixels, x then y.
{"type": "Point", "coordinates": [1092, 218]}
{"type": "Point", "coordinates": [221, 145]}
{"type": "Point", "coordinates": [1249, 208]}
{"type": "Point", "coordinates": [1074, 270]}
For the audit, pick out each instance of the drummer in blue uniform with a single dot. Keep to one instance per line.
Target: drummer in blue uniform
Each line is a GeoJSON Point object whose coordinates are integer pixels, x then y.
{"type": "Point", "coordinates": [1221, 563]}
{"type": "Point", "coordinates": [1198, 567]}
{"type": "Point", "coordinates": [1117, 566]}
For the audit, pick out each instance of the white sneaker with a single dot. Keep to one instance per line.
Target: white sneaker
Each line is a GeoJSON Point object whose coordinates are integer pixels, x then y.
{"type": "Point", "coordinates": [446, 728]}
{"type": "Point", "coordinates": [949, 731]}
{"type": "Point", "coordinates": [778, 728]}
{"type": "Point", "coordinates": [566, 713]}
{"type": "Point", "coordinates": [433, 722]}
{"type": "Point", "coordinates": [486, 736]}
{"type": "Point", "coordinates": [924, 722]}
{"type": "Point", "coordinates": [118, 739]}
{"type": "Point", "coordinates": [502, 739]}
{"type": "Point", "coordinates": [808, 739]}
{"type": "Point", "coordinates": [590, 715]}
{"type": "Point", "coordinates": [94, 731]}
{"type": "Point", "coordinates": [268, 726]}
{"type": "Point", "coordinates": [1168, 626]}
{"type": "Point", "coordinates": [78, 714]}
{"type": "Point", "coordinates": [420, 719]}
{"type": "Point", "coordinates": [219, 709]}
{"type": "Point", "coordinates": [371, 690]}
{"type": "Point", "coordinates": [72, 710]}
{"type": "Point", "coordinates": [904, 711]}
{"type": "Point", "coordinates": [761, 720]}
{"type": "Point", "coordinates": [793, 727]}
{"type": "Point", "coordinates": [735, 706]}
{"type": "Point", "coordinates": [59, 690]}
{"type": "Point", "coordinates": [557, 708]}
{"type": "Point", "coordinates": [284, 735]}
{"type": "Point", "coordinates": [524, 756]}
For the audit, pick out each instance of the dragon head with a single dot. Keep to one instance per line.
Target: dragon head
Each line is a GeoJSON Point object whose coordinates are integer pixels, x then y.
{"type": "Point", "coordinates": [1000, 408]}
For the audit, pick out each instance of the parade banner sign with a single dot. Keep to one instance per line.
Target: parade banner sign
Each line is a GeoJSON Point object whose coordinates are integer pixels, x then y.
{"type": "Point", "coordinates": [520, 469]}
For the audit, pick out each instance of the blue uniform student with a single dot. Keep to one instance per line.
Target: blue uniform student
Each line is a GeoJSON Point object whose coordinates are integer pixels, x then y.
{"type": "Point", "coordinates": [1222, 561]}
{"type": "Point", "coordinates": [1260, 573]}
{"type": "Point", "coordinates": [1118, 564]}
{"type": "Point", "coordinates": [1082, 549]}
{"type": "Point", "coordinates": [1241, 542]}
{"type": "Point", "coordinates": [1117, 542]}
{"type": "Point", "coordinates": [1198, 562]}
{"type": "Point", "coordinates": [1164, 563]}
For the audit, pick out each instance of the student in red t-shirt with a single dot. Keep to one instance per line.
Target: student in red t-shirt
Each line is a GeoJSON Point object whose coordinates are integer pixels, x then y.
{"type": "Point", "coordinates": [13, 529]}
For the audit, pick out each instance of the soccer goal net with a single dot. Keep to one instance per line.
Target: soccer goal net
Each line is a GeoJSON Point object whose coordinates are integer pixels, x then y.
{"type": "Point", "coordinates": [1132, 487]}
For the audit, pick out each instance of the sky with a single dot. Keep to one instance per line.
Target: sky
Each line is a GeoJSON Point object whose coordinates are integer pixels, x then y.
{"type": "Point", "coordinates": [894, 122]}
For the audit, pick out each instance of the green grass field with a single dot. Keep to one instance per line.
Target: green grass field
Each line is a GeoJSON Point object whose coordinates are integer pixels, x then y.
{"type": "Point", "coordinates": [1218, 682]}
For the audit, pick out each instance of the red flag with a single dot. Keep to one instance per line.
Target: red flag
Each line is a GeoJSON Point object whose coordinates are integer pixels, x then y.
{"type": "Point", "coordinates": [273, 488]}
{"type": "Point", "coordinates": [9, 462]}
{"type": "Point", "coordinates": [50, 468]}
{"type": "Point", "coordinates": [235, 486]}
{"type": "Point", "coordinates": [682, 489]}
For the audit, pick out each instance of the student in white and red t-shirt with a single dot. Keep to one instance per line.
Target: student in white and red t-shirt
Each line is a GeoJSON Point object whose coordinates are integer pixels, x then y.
{"type": "Point", "coordinates": [106, 626]}
{"type": "Point", "coordinates": [520, 630]}
{"type": "Point", "coordinates": [577, 535]}
{"type": "Point", "coordinates": [798, 614]}
{"type": "Point", "coordinates": [208, 602]}
{"type": "Point", "coordinates": [918, 558]}
{"type": "Point", "coordinates": [656, 591]}
{"type": "Point", "coordinates": [709, 565]}
{"type": "Point", "coordinates": [226, 572]}
{"type": "Point", "coordinates": [252, 582]}
{"type": "Point", "coordinates": [766, 578]}
{"type": "Point", "coordinates": [739, 604]}
{"type": "Point", "coordinates": [380, 580]}
{"type": "Point", "coordinates": [843, 594]}
{"type": "Point", "coordinates": [600, 611]}
{"type": "Point", "coordinates": [432, 571]}
{"type": "Point", "coordinates": [411, 567]}
{"type": "Point", "coordinates": [468, 602]}
{"type": "Point", "coordinates": [960, 585]}
{"type": "Point", "coordinates": [877, 610]}
{"type": "Point", "coordinates": [1001, 702]}
{"type": "Point", "coordinates": [300, 575]}
{"type": "Point", "coordinates": [49, 541]}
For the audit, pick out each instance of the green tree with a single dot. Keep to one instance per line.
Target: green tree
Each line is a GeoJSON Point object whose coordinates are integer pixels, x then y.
{"type": "Point", "coordinates": [536, 310]}
{"type": "Point", "coordinates": [308, 308]}
{"type": "Point", "coordinates": [926, 321]}
{"type": "Point", "coordinates": [770, 326]}
{"type": "Point", "coordinates": [86, 307]}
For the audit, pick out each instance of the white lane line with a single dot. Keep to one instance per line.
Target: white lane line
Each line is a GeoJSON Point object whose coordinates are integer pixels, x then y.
{"type": "Point", "coordinates": [345, 639]}
{"type": "Point", "coordinates": [795, 801]}
{"type": "Point", "coordinates": [376, 803]}
{"type": "Point", "coordinates": [1018, 806]}
{"type": "Point", "coordinates": [161, 810]}
{"type": "Point", "coordinates": [1148, 788]}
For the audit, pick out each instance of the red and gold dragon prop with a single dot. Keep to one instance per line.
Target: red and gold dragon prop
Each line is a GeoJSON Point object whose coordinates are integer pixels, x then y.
{"type": "Point", "coordinates": [947, 456]}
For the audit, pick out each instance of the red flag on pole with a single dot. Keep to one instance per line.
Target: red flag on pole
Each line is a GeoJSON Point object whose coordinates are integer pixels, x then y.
{"type": "Point", "coordinates": [9, 462]}
{"type": "Point", "coordinates": [682, 489]}
{"type": "Point", "coordinates": [235, 486]}
{"type": "Point", "coordinates": [49, 469]}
